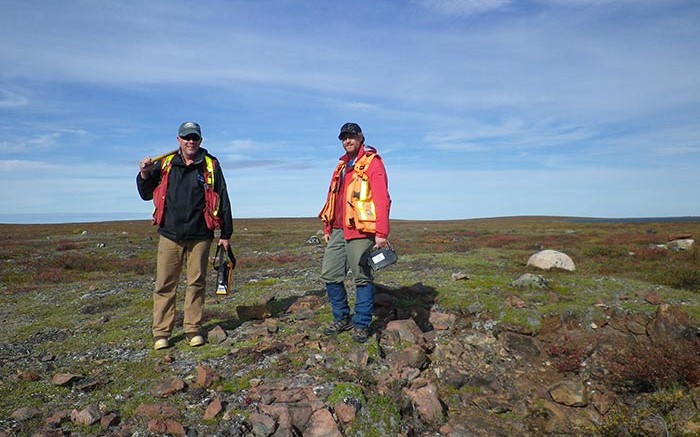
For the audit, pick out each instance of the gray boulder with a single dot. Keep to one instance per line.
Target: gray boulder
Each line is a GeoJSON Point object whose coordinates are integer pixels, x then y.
{"type": "Point", "coordinates": [551, 259]}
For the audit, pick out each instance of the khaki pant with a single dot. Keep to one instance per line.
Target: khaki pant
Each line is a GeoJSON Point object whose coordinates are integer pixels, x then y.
{"type": "Point", "coordinates": [194, 255]}
{"type": "Point", "coordinates": [342, 255]}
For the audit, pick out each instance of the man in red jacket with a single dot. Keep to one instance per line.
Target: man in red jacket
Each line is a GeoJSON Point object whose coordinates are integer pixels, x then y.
{"type": "Point", "coordinates": [355, 219]}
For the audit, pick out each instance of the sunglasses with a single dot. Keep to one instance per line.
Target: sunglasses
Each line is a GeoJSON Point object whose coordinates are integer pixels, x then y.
{"type": "Point", "coordinates": [191, 137]}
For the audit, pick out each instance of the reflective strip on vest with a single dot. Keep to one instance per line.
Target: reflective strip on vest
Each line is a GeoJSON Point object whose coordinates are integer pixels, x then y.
{"type": "Point", "coordinates": [360, 211]}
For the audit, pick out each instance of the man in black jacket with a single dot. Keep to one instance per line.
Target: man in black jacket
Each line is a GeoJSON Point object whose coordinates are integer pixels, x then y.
{"type": "Point", "coordinates": [189, 192]}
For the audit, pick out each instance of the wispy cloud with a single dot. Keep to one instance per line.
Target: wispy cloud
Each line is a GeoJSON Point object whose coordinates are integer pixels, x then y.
{"type": "Point", "coordinates": [539, 87]}
{"type": "Point", "coordinates": [463, 7]}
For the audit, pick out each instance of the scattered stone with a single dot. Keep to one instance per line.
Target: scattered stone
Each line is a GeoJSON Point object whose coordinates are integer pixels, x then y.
{"type": "Point", "coordinates": [271, 325]}
{"type": "Point", "coordinates": [602, 402]}
{"type": "Point", "coordinates": [412, 356]}
{"type": "Point", "coordinates": [253, 312]}
{"type": "Point", "coordinates": [216, 335]}
{"type": "Point", "coordinates": [670, 322]}
{"type": "Point", "coordinates": [345, 412]}
{"type": "Point", "coordinates": [28, 376]}
{"type": "Point", "coordinates": [407, 330]}
{"type": "Point", "coordinates": [441, 321]}
{"type": "Point", "coordinates": [206, 377]}
{"type": "Point", "coordinates": [263, 425]}
{"type": "Point", "coordinates": [214, 408]}
{"type": "Point", "coordinates": [166, 426]}
{"type": "Point", "coordinates": [681, 245]}
{"type": "Point", "coordinates": [515, 302]}
{"type": "Point", "coordinates": [530, 280]}
{"type": "Point", "coordinates": [58, 418]}
{"type": "Point", "coordinates": [654, 298]}
{"type": "Point", "coordinates": [25, 413]}
{"type": "Point", "coordinates": [109, 420]}
{"type": "Point", "coordinates": [551, 259]}
{"type": "Point", "coordinates": [168, 387]}
{"type": "Point", "coordinates": [520, 345]}
{"type": "Point", "coordinates": [308, 302]}
{"type": "Point", "coordinates": [459, 276]}
{"type": "Point", "coordinates": [571, 394]}
{"type": "Point", "coordinates": [322, 424]}
{"type": "Point", "coordinates": [424, 396]}
{"type": "Point", "coordinates": [91, 414]}
{"type": "Point", "coordinates": [64, 379]}
{"type": "Point", "coordinates": [680, 236]}
{"type": "Point", "coordinates": [162, 411]}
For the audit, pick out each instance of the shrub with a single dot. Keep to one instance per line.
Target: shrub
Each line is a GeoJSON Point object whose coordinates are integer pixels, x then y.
{"type": "Point", "coordinates": [51, 275]}
{"type": "Point", "coordinates": [645, 367]}
{"type": "Point", "coordinates": [64, 245]}
{"type": "Point", "coordinates": [651, 253]}
{"type": "Point", "coordinates": [567, 359]}
{"type": "Point", "coordinates": [502, 241]}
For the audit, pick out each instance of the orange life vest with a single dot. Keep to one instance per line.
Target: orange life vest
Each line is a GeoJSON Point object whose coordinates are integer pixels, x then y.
{"type": "Point", "coordinates": [359, 207]}
{"type": "Point", "coordinates": [211, 198]}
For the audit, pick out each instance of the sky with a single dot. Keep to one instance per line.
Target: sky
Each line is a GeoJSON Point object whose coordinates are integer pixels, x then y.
{"type": "Point", "coordinates": [479, 108]}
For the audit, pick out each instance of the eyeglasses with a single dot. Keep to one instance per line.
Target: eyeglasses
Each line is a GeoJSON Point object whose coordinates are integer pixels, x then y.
{"type": "Point", "coordinates": [191, 137]}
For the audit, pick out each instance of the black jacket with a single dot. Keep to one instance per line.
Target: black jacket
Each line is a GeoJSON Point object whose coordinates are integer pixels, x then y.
{"type": "Point", "coordinates": [184, 201]}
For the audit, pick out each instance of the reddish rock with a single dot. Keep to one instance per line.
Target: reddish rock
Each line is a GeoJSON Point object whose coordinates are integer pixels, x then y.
{"type": "Point", "coordinates": [654, 298]}
{"type": "Point", "coordinates": [346, 413]}
{"type": "Point", "coordinates": [263, 425]}
{"type": "Point", "coordinates": [28, 376]}
{"type": "Point", "coordinates": [206, 377]}
{"type": "Point", "coordinates": [168, 387]}
{"type": "Point", "coordinates": [165, 426]}
{"type": "Point", "coordinates": [216, 335]}
{"type": "Point", "coordinates": [58, 418]}
{"type": "Point", "coordinates": [310, 302]}
{"type": "Point", "coordinates": [64, 379]}
{"type": "Point", "coordinates": [153, 411]}
{"type": "Point", "coordinates": [109, 420]}
{"type": "Point", "coordinates": [322, 424]}
{"type": "Point", "coordinates": [91, 414]}
{"type": "Point", "coordinates": [441, 321]}
{"type": "Point", "coordinates": [213, 408]}
{"type": "Point", "coordinates": [571, 394]}
{"type": "Point", "coordinates": [25, 413]}
{"type": "Point", "coordinates": [407, 329]}
{"type": "Point", "coordinates": [426, 401]}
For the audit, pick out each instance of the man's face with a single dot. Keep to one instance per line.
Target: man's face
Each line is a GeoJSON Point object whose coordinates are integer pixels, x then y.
{"type": "Point", "coordinates": [189, 145]}
{"type": "Point", "coordinates": [351, 143]}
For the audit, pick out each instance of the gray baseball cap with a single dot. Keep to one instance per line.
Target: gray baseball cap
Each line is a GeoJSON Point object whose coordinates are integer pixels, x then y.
{"type": "Point", "coordinates": [189, 127]}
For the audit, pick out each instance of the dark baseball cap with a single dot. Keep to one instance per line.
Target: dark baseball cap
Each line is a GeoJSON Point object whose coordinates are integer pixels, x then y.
{"type": "Point", "coordinates": [189, 127]}
{"type": "Point", "coordinates": [349, 128]}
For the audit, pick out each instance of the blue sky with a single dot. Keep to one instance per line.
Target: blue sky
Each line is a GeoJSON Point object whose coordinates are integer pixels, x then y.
{"type": "Point", "coordinates": [480, 108]}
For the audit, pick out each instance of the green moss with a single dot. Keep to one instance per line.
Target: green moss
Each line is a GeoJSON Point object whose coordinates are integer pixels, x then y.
{"type": "Point", "coordinates": [379, 417]}
{"type": "Point", "coordinates": [346, 390]}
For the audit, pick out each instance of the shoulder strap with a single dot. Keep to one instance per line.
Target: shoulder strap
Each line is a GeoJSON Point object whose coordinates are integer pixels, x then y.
{"type": "Point", "coordinates": [209, 167]}
{"type": "Point", "coordinates": [362, 164]}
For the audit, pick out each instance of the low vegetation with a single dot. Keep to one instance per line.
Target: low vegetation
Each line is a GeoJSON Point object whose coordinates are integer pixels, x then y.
{"type": "Point", "coordinates": [75, 298]}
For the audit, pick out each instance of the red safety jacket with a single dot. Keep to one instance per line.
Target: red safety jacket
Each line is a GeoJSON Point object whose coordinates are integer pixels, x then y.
{"type": "Point", "coordinates": [358, 198]}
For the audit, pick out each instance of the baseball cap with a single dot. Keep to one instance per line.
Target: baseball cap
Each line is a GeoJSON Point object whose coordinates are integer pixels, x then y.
{"type": "Point", "coordinates": [189, 127]}
{"type": "Point", "coordinates": [349, 128]}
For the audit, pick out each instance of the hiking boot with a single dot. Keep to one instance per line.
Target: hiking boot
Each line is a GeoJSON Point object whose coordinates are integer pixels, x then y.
{"type": "Point", "coordinates": [338, 326]}
{"type": "Point", "coordinates": [161, 343]}
{"type": "Point", "coordinates": [360, 335]}
{"type": "Point", "coordinates": [195, 340]}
